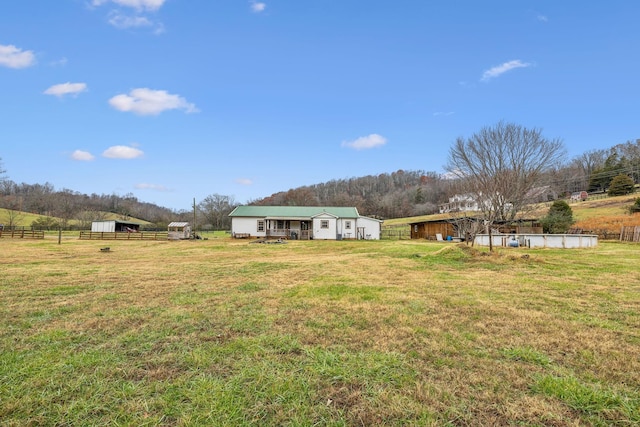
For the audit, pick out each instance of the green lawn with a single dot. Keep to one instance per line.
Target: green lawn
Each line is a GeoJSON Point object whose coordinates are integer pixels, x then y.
{"type": "Point", "coordinates": [327, 333]}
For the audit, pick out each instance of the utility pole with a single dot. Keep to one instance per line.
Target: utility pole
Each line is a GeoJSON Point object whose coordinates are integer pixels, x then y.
{"type": "Point", "coordinates": [194, 218]}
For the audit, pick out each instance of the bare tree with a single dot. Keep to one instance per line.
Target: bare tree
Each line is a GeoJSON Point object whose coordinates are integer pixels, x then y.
{"type": "Point", "coordinates": [66, 206]}
{"type": "Point", "coordinates": [2, 171]}
{"type": "Point", "coordinates": [12, 214]}
{"type": "Point", "coordinates": [467, 227]}
{"type": "Point", "coordinates": [216, 208]}
{"type": "Point", "coordinates": [578, 172]}
{"type": "Point", "coordinates": [499, 165]}
{"type": "Point", "coordinates": [86, 217]}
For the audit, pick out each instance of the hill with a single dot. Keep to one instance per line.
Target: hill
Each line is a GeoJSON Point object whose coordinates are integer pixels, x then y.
{"type": "Point", "coordinates": [26, 219]}
{"type": "Point", "coordinates": [607, 214]}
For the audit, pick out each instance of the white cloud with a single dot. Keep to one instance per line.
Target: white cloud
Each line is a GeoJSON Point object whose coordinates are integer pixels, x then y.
{"type": "Point", "coordinates": [147, 102]}
{"type": "Point", "coordinates": [121, 21]}
{"type": "Point", "coordinates": [147, 186]}
{"type": "Point", "coordinates": [59, 63]}
{"type": "Point", "coordinates": [63, 89]}
{"type": "Point", "coordinates": [366, 142]}
{"type": "Point", "coordinates": [503, 68]}
{"type": "Point", "coordinates": [135, 4]}
{"type": "Point", "coordinates": [542, 18]}
{"type": "Point", "coordinates": [83, 156]}
{"type": "Point", "coordinates": [258, 6]}
{"type": "Point", "coordinates": [13, 57]}
{"type": "Point", "coordinates": [138, 19]}
{"type": "Point", "coordinates": [122, 152]}
{"type": "Point", "coordinates": [244, 181]}
{"type": "Point", "coordinates": [443, 113]}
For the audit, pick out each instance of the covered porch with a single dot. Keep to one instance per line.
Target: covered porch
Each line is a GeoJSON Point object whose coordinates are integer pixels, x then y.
{"type": "Point", "coordinates": [294, 229]}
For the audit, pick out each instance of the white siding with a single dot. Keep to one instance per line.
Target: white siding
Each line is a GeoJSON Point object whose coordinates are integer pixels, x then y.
{"type": "Point", "coordinates": [371, 227]}
{"type": "Point", "coordinates": [325, 233]}
{"type": "Point", "coordinates": [248, 226]}
{"type": "Point", "coordinates": [103, 226]}
{"type": "Point", "coordinates": [361, 227]}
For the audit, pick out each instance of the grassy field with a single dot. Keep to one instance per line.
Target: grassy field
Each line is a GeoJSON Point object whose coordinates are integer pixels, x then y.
{"type": "Point", "coordinates": [325, 333]}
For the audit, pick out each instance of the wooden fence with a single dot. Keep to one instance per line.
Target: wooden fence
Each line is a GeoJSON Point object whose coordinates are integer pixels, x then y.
{"type": "Point", "coordinates": [106, 235]}
{"type": "Point", "coordinates": [630, 234]}
{"type": "Point", "coordinates": [395, 233]}
{"type": "Point", "coordinates": [22, 234]}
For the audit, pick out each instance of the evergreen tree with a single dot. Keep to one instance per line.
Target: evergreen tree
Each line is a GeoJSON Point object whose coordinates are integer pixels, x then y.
{"type": "Point", "coordinates": [559, 218]}
{"type": "Point", "coordinates": [620, 185]}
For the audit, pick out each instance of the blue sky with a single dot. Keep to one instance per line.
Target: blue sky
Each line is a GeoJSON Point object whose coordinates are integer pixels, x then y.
{"type": "Point", "coordinates": [172, 100]}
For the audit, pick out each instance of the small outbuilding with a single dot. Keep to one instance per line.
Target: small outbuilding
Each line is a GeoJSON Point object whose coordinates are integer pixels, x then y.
{"type": "Point", "coordinates": [115, 226]}
{"type": "Point", "coordinates": [451, 227]}
{"type": "Point", "coordinates": [579, 196]}
{"type": "Point", "coordinates": [179, 230]}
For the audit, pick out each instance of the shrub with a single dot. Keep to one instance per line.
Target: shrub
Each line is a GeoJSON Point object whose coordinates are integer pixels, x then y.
{"type": "Point", "coordinates": [621, 185]}
{"type": "Point", "coordinates": [635, 207]}
{"type": "Point", "coordinates": [45, 223]}
{"type": "Point", "coordinates": [559, 218]}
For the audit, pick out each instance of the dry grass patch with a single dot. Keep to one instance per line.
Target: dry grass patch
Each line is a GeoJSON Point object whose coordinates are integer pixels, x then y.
{"type": "Point", "coordinates": [329, 333]}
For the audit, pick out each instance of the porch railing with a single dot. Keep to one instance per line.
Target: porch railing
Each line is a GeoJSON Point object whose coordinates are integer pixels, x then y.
{"type": "Point", "coordinates": [289, 234]}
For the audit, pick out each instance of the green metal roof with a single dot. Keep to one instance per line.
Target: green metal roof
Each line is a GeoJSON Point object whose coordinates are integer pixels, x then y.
{"type": "Point", "coordinates": [292, 211]}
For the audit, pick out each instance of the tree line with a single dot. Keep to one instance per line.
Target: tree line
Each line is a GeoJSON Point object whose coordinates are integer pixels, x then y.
{"type": "Point", "coordinates": [398, 194]}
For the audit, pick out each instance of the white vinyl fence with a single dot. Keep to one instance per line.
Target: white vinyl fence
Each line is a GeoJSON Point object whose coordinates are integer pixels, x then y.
{"type": "Point", "coordinates": [566, 241]}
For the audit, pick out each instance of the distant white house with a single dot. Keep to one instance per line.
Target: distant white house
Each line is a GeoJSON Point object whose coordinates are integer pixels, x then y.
{"type": "Point", "coordinates": [460, 203]}
{"type": "Point", "coordinates": [469, 203]}
{"type": "Point", "coordinates": [303, 222]}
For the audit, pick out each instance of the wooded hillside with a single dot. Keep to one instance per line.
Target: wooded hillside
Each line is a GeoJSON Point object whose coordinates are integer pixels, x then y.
{"type": "Point", "coordinates": [388, 195]}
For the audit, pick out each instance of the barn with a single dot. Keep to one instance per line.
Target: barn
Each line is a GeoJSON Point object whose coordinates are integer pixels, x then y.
{"type": "Point", "coordinates": [303, 222]}
{"type": "Point", "coordinates": [449, 227]}
{"type": "Point", "coordinates": [115, 226]}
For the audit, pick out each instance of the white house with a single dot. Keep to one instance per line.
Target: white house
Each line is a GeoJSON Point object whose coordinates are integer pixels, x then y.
{"type": "Point", "coordinates": [470, 203]}
{"type": "Point", "coordinates": [303, 222]}
{"type": "Point", "coordinates": [460, 203]}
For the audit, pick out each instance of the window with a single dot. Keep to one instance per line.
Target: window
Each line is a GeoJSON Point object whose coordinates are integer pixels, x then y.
{"type": "Point", "coordinates": [347, 225]}
{"type": "Point", "coordinates": [260, 225]}
{"type": "Point", "coordinates": [324, 223]}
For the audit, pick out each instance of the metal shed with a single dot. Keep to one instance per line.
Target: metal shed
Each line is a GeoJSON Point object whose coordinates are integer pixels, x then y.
{"type": "Point", "coordinates": [178, 230]}
{"type": "Point", "coordinates": [115, 226]}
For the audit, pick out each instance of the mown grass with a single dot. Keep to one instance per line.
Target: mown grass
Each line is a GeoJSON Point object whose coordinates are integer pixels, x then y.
{"type": "Point", "coordinates": [225, 332]}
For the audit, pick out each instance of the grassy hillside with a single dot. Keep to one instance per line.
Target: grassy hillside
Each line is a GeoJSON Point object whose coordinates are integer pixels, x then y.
{"type": "Point", "coordinates": [350, 333]}
{"type": "Point", "coordinates": [25, 219]}
{"type": "Point", "coordinates": [608, 214]}
{"type": "Point", "coordinates": [21, 219]}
